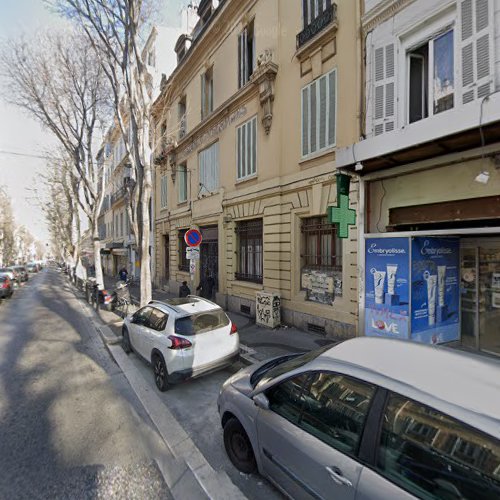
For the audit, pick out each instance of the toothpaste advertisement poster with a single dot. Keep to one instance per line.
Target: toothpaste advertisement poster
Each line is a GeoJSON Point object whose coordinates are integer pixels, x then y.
{"type": "Point", "coordinates": [435, 293]}
{"type": "Point", "coordinates": [387, 287]}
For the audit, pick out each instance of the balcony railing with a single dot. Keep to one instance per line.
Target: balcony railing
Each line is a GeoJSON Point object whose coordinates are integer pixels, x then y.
{"type": "Point", "coordinates": [117, 195]}
{"type": "Point", "coordinates": [318, 24]}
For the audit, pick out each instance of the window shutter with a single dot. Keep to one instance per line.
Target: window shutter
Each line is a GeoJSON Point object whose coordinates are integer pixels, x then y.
{"type": "Point", "coordinates": [304, 13]}
{"type": "Point", "coordinates": [203, 95]}
{"type": "Point", "coordinates": [332, 111]}
{"type": "Point", "coordinates": [384, 89]}
{"type": "Point", "coordinates": [305, 121]}
{"type": "Point", "coordinates": [476, 38]}
{"type": "Point", "coordinates": [322, 112]}
{"type": "Point", "coordinates": [240, 62]}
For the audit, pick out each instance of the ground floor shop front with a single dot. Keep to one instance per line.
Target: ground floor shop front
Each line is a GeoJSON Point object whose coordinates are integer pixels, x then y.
{"type": "Point", "coordinates": [430, 241]}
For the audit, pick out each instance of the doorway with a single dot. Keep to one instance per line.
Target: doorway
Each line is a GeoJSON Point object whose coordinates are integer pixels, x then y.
{"type": "Point", "coordinates": [480, 290]}
{"type": "Point", "coordinates": [166, 253]}
{"type": "Point", "coordinates": [209, 255]}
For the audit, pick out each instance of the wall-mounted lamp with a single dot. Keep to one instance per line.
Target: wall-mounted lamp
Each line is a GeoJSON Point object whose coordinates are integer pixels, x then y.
{"type": "Point", "coordinates": [358, 167]}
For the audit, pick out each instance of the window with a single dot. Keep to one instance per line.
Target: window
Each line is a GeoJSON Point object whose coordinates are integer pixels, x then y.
{"type": "Point", "coordinates": [207, 93]}
{"type": "Point", "coordinates": [183, 261]}
{"type": "Point", "coordinates": [122, 226]}
{"type": "Point", "coordinates": [337, 409]}
{"type": "Point", "coordinates": [182, 117]}
{"type": "Point", "coordinates": [286, 399]}
{"type": "Point", "coordinates": [201, 323]}
{"type": "Point", "coordinates": [249, 250]}
{"type": "Point", "coordinates": [319, 114]}
{"type": "Point", "coordinates": [311, 9]}
{"type": "Point", "coordinates": [163, 191]}
{"type": "Point", "coordinates": [157, 320]}
{"type": "Point", "coordinates": [246, 54]}
{"type": "Point", "coordinates": [247, 149]}
{"type": "Point", "coordinates": [435, 456]}
{"type": "Point", "coordinates": [435, 94]}
{"type": "Point", "coordinates": [141, 317]}
{"type": "Point", "coordinates": [209, 168]}
{"type": "Point", "coordinates": [182, 183]}
{"type": "Point", "coordinates": [322, 249]}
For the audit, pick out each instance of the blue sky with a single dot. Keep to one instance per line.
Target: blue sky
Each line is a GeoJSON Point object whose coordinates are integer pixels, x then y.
{"type": "Point", "coordinates": [18, 132]}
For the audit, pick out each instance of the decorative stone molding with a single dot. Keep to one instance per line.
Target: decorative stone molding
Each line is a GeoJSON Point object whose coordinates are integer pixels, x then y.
{"type": "Point", "coordinates": [382, 12]}
{"type": "Point", "coordinates": [264, 77]}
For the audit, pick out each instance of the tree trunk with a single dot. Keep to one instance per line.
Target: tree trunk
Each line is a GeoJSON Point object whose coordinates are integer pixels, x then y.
{"type": "Point", "coordinates": [146, 289]}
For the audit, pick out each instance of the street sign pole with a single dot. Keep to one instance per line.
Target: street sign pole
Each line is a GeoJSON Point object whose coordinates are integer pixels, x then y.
{"type": "Point", "coordinates": [193, 241]}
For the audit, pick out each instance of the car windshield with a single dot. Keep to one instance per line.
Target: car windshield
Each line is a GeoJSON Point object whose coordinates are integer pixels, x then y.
{"type": "Point", "coordinates": [200, 323]}
{"type": "Point", "coordinates": [291, 364]}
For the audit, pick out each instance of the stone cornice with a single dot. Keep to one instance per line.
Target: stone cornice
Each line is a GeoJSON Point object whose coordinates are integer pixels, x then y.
{"type": "Point", "coordinates": [382, 12]}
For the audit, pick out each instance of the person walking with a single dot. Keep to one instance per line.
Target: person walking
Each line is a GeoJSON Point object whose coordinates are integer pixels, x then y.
{"type": "Point", "coordinates": [123, 274]}
{"type": "Point", "coordinates": [206, 286]}
{"type": "Point", "coordinates": [184, 290]}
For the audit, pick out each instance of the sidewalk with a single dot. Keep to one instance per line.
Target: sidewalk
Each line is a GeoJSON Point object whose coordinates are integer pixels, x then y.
{"type": "Point", "coordinates": [257, 342]}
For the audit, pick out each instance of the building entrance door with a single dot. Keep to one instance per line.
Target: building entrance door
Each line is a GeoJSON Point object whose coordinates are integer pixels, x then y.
{"type": "Point", "coordinates": [209, 256]}
{"type": "Point", "coordinates": [480, 286]}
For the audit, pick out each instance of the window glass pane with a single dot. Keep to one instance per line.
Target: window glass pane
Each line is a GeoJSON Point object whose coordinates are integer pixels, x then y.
{"type": "Point", "coordinates": [444, 81]}
{"type": "Point", "coordinates": [336, 410]}
{"type": "Point", "coordinates": [240, 173]}
{"type": "Point", "coordinates": [249, 149]}
{"type": "Point", "coordinates": [200, 323]}
{"type": "Point", "coordinates": [418, 61]}
{"type": "Point", "coordinates": [332, 111]}
{"type": "Point", "coordinates": [435, 456]}
{"type": "Point", "coordinates": [286, 399]}
{"type": "Point", "coordinates": [254, 145]}
{"type": "Point", "coordinates": [157, 320]}
{"type": "Point", "coordinates": [142, 315]}
{"type": "Point", "coordinates": [244, 151]}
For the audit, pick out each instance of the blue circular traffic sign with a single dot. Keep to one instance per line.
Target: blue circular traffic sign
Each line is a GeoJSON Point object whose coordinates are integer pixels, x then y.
{"type": "Point", "coordinates": [192, 238]}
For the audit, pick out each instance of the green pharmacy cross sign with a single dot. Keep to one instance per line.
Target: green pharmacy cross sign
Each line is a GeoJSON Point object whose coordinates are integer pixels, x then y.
{"type": "Point", "coordinates": [342, 215]}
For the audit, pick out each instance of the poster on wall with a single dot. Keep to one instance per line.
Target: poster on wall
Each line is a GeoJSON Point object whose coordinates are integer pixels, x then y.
{"type": "Point", "coordinates": [435, 293]}
{"type": "Point", "coordinates": [387, 287]}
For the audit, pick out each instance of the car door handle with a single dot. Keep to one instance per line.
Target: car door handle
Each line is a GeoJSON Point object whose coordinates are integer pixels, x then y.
{"type": "Point", "coordinates": [337, 476]}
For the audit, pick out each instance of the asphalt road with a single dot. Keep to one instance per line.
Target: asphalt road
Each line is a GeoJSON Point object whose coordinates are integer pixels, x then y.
{"type": "Point", "coordinates": [70, 425]}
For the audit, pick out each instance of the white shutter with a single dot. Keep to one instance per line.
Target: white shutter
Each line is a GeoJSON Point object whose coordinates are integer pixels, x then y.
{"type": "Point", "coordinates": [243, 57]}
{"type": "Point", "coordinates": [203, 96]}
{"type": "Point", "coordinates": [476, 39]}
{"type": "Point", "coordinates": [332, 111]}
{"type": "Point", "coordinates": [209, 168]}
{"type": "Point", "coordinates": [384, 89]}
{"type": "Point", "coordinates": [305, 121]}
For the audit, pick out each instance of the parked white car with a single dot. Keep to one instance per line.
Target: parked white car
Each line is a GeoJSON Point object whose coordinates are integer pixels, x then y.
{"type": "Point", "coordinates": [181, 338]}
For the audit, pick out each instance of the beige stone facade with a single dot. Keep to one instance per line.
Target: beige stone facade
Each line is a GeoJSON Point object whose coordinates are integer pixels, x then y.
{"type": "Point", "coordinates": [262, 210]}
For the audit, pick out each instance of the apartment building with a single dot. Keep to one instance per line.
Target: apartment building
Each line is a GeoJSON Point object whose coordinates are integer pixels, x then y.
{"type": "Point", "coordinates": [119, 246]}
{"type": "Point", "coordinates": [246, 133]}
{"type": "Point", "coordinates": [428, 168]}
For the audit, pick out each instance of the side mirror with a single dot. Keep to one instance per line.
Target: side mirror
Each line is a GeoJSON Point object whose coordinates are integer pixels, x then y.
{"type": "Point", "coordinates": [260, 400]}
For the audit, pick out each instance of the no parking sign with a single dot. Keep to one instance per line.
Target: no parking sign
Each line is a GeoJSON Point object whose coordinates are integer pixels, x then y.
{"type": "Point", "coordinates": [193, 238]}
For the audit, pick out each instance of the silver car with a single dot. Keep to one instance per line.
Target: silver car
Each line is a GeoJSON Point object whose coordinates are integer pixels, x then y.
{"type": "Point", "coordinates": [368, 419]}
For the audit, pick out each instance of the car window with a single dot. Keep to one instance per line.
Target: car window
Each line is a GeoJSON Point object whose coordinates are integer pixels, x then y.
{"type": "Point", "coordinates": [433, 456]}
{"type": "Point", "coordinates": [157, 320]}
{"type": "Point", "coordinates": [291, 364]}
{"type": "Point", "coordinates": [286, 398]}
{"type": "Point", "coordinates": [200, 323]}
{"type": "Point", "coordinates": [335, 410]}
{"type": "Point", "coordinates": [142, 315]}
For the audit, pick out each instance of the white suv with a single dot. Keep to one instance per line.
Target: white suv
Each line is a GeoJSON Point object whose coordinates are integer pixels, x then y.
{"type": "Point", "coordinates": [182, 338]}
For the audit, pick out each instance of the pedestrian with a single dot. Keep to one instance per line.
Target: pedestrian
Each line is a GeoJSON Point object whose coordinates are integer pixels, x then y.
{"type": "Point", "coordinates": [184, 290]}
{"type": "Point", "coordinates": [206, 286]}
{"type": "Point", "coordinates": [123, 274]}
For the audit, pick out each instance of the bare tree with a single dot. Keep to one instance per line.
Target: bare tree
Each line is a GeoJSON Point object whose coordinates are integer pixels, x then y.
{"type": "Point", "coordinates": [59, 81]}
{"type": "Point", "coordinates": [115, 28]}
{"type": "Point", "coordinates": [7, 228]}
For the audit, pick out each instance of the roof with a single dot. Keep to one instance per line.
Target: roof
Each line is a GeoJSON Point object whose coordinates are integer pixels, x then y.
{"type": "Point", "coordinates": [186, 305]}
{"type": "Point", "coordinates": [467, 384]}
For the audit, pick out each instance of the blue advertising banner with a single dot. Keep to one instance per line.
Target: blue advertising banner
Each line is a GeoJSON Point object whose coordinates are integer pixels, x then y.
{"type": "Point", "coordinates": [435, 293]}
{"type": "Point", "coordinates": [387, 281]}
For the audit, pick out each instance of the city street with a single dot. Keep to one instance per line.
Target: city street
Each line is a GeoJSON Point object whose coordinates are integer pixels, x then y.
{"type": "Point", "coordinates": [70, 423]}
{"type": "Point", "coordinates": [70, 426]}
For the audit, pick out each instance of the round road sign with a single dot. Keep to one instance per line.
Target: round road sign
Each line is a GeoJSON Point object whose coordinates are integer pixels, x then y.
{"type": "Point", "coordinates": [192, 238]}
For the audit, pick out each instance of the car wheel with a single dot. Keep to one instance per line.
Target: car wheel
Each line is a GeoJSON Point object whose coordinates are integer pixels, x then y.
{"type": "Point", "coordinates": [126, 345]}
{"type": "Point", "coordinates": [238, 447]}
{"type": "Point", "coordinates": [160, 372]}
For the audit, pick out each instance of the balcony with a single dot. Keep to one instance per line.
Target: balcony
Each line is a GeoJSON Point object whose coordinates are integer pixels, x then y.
{"type": "Point", "coordinates": [118, 195]}
{"type": "Point", "coordinates": [327, 17]}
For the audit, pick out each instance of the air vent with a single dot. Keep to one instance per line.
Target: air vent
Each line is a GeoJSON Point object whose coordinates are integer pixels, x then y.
{"type": "Point", "coordinates": [316, 328]}
{"type": "Point", "coordinates": [245, 309]}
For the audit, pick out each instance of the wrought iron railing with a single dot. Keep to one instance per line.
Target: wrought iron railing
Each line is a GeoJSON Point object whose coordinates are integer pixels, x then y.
{"type": "Point", "coordinates": [117, 195]}
{"type": "Point", "coordinates": [316, 25]}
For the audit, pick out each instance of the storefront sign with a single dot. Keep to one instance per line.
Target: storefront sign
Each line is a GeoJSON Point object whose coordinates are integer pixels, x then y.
{"type": "Point", "coordinates": [387, 287]}
{"type": "Point", "coordinates": [435, 290]}
{"type": "Point", "coordinates": [342, 215]}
